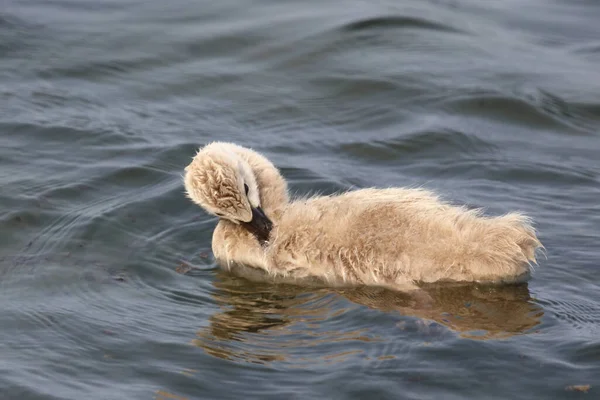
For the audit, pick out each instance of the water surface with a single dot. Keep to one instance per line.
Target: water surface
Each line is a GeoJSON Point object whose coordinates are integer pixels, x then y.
{"type": "Point", "coordinates": [107, 282]}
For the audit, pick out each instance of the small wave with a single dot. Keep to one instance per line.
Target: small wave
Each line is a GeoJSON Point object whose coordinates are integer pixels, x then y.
{"type": "Point", "coordinates": [18, 35]}
{"type": "Point", "coordinates": [59, 138]}
{"type": "Point", "coordinates": [589, 49]}
{"type": "Point", "coordinates": [376, 35]}
{"type": "Point", "coordinates": [562, 110]}
{"type": "Point", "coordinates": [418, 144]}
{"type": "Point", "coordinates": [579, 314]}
{"type": "Point", "coordinates": [386, 22]}
{"type": "Point", "coordinates": [95, 69]}
{"type": "Point", "coordinates": [535, 108]}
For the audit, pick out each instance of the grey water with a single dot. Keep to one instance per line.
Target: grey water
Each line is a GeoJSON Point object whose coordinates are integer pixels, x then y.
{"type": "Point", "coordinates": [108, 287]}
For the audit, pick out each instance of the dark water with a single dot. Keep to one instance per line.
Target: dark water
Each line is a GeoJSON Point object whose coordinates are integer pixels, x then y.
{"type": "Point", "coordinates": [108, 287]}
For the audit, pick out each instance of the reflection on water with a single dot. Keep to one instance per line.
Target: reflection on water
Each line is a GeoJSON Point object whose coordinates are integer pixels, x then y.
{"type": "Point", "coordinates": [473, 311]}
{"type": "Point", "coordinates": [276, 319]}
{"type": "Point", "coordinates": [264, 322]}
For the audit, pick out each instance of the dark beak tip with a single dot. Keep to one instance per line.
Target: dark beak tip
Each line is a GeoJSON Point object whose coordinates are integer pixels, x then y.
{"type": "Point", "coordinates": [260, 225]}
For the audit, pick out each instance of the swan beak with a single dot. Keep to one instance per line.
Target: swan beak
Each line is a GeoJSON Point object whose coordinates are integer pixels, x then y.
{"type": "Point", "coordinates": [260, 225]}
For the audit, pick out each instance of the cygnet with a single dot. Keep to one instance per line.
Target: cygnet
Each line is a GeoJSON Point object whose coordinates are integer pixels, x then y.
{"type": "Point", "coordinates": [397, 238]}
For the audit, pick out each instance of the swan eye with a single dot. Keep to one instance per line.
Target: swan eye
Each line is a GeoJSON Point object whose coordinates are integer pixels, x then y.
{"type": "Point", "coordinates": [219, 215]}
{"type": "Point", "coordinates": [246, 188]}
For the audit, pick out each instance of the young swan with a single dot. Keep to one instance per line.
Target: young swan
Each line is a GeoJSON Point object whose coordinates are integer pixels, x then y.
{"type": "Point", "coordinates": [395, 238]}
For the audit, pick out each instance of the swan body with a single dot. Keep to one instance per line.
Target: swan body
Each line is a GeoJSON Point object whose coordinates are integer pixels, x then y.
{"type": "Point", "coordinates": [395, 238]}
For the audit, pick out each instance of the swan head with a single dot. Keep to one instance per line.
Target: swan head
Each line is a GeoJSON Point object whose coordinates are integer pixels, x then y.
{"type": "Point", "coordinates": [223, 184]}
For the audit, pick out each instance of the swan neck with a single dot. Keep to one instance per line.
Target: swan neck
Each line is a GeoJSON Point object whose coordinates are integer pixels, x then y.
{"type": "Point", "coordinates": [272, 187]}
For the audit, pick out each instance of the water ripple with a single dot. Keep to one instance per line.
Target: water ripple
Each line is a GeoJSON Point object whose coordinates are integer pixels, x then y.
{"type": "Point", "coordinates": [397, 21]}
{"type": "Point", "coordinates": [424, 143]}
